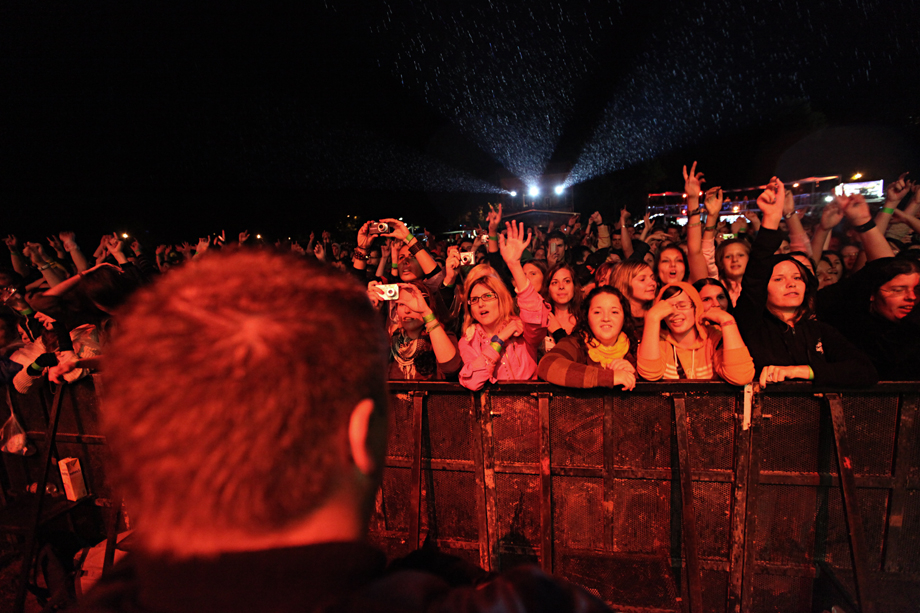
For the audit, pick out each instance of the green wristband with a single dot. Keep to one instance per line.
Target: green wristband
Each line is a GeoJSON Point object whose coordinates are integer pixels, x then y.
{"type": "Point", "coordinates": [428, 318]}
{"type": "Point", "coordinates": [811, 374]}
{"type": "Point", "coordinates": [493, 238]}
{"type": "Point", "coordinates": [496, 347]}
{"type": "Point", "coordinates": [394, 266]}
{"type": "Point", "coordinates": [888, 209]}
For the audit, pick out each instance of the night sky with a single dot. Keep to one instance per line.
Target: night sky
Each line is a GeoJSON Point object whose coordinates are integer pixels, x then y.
{"type": "Point", "coordinates": [171, 119]}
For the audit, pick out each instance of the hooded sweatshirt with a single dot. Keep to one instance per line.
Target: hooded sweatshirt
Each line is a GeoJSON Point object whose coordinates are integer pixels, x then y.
{"type": "Point", "coordinates": [705, 359]}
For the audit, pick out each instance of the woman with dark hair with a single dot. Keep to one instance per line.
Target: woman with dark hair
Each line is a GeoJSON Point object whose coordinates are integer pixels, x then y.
{"type": "Point", "coordinates": [713, 294]}
{"type": "Point", "coordinates": [681, 340]}
{"type": "Point", "coordinates": [562, 293]}
{"type": "Point", "coordinates": [775, 314]}
{"type": "Point", "coordinates": [671, 265]}
{"type": "Point", "coordinates": [876, 310]}
{"type": "Point", "coordinates": [598, 353]}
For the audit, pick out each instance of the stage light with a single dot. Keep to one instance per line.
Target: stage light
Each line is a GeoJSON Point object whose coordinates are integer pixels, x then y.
{"type": "Point", "coordinates": [857, 176]}
{"type": "Point", "coordinates": [685, 195]}
{"type": "Point", "coordinates": [513, 194]}
{"type": "Point", "coordinates": [828, 199]}
{"type": "Point", "coordinates": [258, 236]}
{"type": "Point", "coordinates": [534, 192]}
{"type": "Point", "coordinates": [795, 185]}
{"type": "Point", "coordinates": [736, 208]}
{"type": "Point", "coordinates": [559, 189]}
{"type": "Point", "coordinates": [125, 235]}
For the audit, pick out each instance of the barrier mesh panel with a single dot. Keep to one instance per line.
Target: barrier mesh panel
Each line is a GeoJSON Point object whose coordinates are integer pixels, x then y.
{"type": "Point", "coordinates": [577, 431]}
{"type": "Point", "coordinates": [397, 497]}
{"type": "Point", "coordinates": [517, 504]}
{"type": "Point", "coordinates": [785, 524]}
{"type": "Point", "coordinates": [642, 516]}
{"type": "Point", "coordinates": [516, 428]}
{"type": "Point", "coordinates": [781, 594]}
{"type": "Point", "coordinates": [643, 428]}
{"type": "Point", "coordinates": [450, 426]}
{"type": "Point", "coordinates": [715, 587]}
{"type": "Point", "coordinates": [711, 431]}
{"type": "Point", "coordinates": [873, 505]}
{"type": "Point", "coordinates": [449, 504]}
{"type": "Point", "coordinates": [871, 425]}
{"type": "Point", "coordinates": [791, 433]}
{"type": "Point", "coordinates": [713, 518]}
{"type": "Point", "coordinates": [400, 439]}
{"type": "Point", "coordinates": [622, 580]}
{"type": "Point", "coordinates": [908, 561]}
{"type": "Point", "coordinates": [578, 513]}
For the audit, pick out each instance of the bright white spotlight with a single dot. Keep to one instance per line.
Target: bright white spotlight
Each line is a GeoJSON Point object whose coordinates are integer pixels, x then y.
{"type": "Point", "coordinates": [513, 194]}
{"type": "Point", "coordinates": [828, 199]}
{"type": "Point", "coordinates": [559, 189]}
{"type": "Point", "coordinates": [534, 192]}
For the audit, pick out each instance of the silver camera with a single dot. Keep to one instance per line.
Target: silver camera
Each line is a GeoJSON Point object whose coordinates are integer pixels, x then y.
{"type": "Point", "coordinates": [379, 227]}
{"type": "Point", "coordinates": [388, 292]}
{"type": "Point", "coordinates": [468, 258]}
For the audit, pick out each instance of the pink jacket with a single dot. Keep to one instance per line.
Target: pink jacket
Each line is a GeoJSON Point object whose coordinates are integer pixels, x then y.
{"type": "Point", "coordinates": [518, 360]}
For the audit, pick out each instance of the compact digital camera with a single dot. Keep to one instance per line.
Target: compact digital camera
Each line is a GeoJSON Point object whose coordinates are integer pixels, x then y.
{"type": "Point", "coordinates": [378, 227]}
{"type": "Point", "coordinates": [468, 258]}
{"type": "Point", "coordinates": [388, 292]}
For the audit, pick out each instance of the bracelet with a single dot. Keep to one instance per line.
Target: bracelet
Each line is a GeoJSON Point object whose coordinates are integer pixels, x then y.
{"type": "Point", "coordinates": [729, 323]}
{"type": "Point", "coordinates": [498, 348]}
{"type": "Point", "coordinates": [696, 212]}
{"type": "Point", "coordinates": [414, 248]}
{"type": "Point", "coordinates": [811, 374]}
{"type": "Point", "coordinates": [394, 266]}
{"type": "Point", "coordinates": [497, 339]}
{"type": "Point", "coordinates": [493, 238]}
{"type": "Point", "coordinates": [888, 209]}
{"type": "Point", "coordinates": [46, 266]}
{"type": "Point", "coordinates": [865, 227]}
{"type": "Point", "coordinates": [430, 329]}
{"type": "Point", "coordinates": [712, 228]}
{"type": "Point", "coordinates": [451, 286]}
{"type": "Point", "coordinates": [428, 318]}
{"type": "Point", "coordinates": [409, 239]}
{"type": "Point", "coordinates": [356, 255]}
{"type": "Point", "coordinates": [27, 311]}
{"type": "Point", "coordinates": [694, 224]}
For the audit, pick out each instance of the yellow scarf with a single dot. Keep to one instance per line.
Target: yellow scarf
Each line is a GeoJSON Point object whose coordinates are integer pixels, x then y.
{"type": "Point", "coordinates": [604, 355]}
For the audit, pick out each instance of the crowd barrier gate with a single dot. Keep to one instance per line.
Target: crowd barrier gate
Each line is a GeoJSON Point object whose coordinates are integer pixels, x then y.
{"type": "Point", "coordinates": [669, 497]}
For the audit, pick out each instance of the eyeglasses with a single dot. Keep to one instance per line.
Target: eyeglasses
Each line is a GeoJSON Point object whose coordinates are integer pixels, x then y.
{"type": "Point", "coordinates": [488, 297]}
{"type": "Point", "coordinates": [897, 291]}
{"type": "Point", "coordinates": [683, 306]}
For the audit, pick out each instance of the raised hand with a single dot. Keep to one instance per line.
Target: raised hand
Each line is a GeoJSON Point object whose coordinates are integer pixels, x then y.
{"type": "Point", "coordinates": [413, 299]}
{"type": "Point", "coordinates": [831, 215]}
{"type": "Point", "coordinates": [372, 293]}
{"type": "Point", "coordinates": [185, 248]}
{"type": "Point", "coordinates": [296, 248]}
{"type": "Point", "coordinates": [596, 218]}
{"type": "Point", "coordinates": [203, 244]}
{"type": "Point", "coordinates": [771, 202]}
{"type": "Point", "coordinates": [788, 204]}
{"type": "Point", "coordinates": [713, 201]}
{"type": "Point", "coordinates": [855, 208]}
{"type": "Point", "coordinates": [494, 218]}
{"type": "Point", "coordinates": [244, 236]}
{"type": "Point", "coordinates": [399, 229]}
{"type": "Point", "coordinates": [136, 247]}
{"type": "Point", "coordinates": [693, 182]}
{"type": "Point", "coordinates": [161, 250]}
{"type": "Point", "coordinates": [12, 242]}
{"type": "Point", "coordinates": [513, 245]}
{"type": "Point", "coordinates": [660, 310]}
{"type": "Point", "coordinates": [451, 264]}
{"type": "Point", "coordinates": [55, 244]}
{"type": "Point", "coordinates": [896, 191]}
{"type": "Point", "coordinates": [319, 251]}
{"type": "Point", "coordinates": [69, 239]}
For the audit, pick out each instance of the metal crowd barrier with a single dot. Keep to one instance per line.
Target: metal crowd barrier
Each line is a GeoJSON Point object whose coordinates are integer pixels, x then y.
{"type": "Point", "coordinates": [670, 497]}
{"type": "Point", "coordinates": [675, 496]}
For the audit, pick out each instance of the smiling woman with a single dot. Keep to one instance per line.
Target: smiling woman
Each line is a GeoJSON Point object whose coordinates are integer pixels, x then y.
{"type": "Point", "coordinates": [775, 313]}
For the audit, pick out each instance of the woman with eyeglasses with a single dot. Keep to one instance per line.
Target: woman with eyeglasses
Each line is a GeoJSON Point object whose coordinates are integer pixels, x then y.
{"type": "Point", "coordinates": [497, 343]}
{"type": "Point", "coordinates": [681, 341]}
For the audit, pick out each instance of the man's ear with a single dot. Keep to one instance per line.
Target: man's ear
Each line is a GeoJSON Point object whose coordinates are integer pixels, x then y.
{"type": "Point", "coordinates": [358, 429]}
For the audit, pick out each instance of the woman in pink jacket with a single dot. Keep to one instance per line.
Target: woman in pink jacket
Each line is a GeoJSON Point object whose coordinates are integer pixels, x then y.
{"type": "Point", "coordinates": [499, 340]}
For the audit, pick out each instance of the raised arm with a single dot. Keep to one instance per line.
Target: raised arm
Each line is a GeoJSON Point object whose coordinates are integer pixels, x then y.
{"type": "Point", "coordinates": [69, 240]}
{"type": "Point", "coordinates": [401, 232]}
{"type": "Point", "coordinates": [857, 213]}
{"type": "Point", "coordinates": [495, 219]}
{"type": "Point", "coordinates": [893, 196]}
{"type": "Point", "coordinates": [831, 215]}
{"type": "Point", "coordinates": [511, 247]}
{"type": "Point", "coordinates": [19, 260]}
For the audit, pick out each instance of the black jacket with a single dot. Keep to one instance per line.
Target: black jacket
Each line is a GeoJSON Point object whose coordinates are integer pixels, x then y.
{"type": "Point", "coordinates": [835, 361]}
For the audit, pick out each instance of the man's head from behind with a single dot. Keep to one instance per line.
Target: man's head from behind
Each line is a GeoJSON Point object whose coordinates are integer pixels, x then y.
{"type": "Point", "coordinates": [243, 395]}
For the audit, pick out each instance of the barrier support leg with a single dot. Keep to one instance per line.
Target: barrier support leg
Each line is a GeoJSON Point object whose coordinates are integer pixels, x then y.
{"type": "Point", "coordinates": [688, 507]}
{"type": "Point", "coordinates": [858, 549]}
{"type": "Point", "coordinates": [546, 489]}
{"type": "Point", "coordinates": [418, 406]}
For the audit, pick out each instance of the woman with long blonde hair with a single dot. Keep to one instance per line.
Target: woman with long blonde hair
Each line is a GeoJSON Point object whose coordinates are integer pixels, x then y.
{"type": "Point", "coordinates": [500, 342]}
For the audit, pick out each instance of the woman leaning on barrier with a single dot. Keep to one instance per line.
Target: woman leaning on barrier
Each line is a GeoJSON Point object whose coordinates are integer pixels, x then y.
{"type": "Point", "coordinates": [598, 353]}
{"type": "Point", "coordinates": [497, 344]}
{"type": "Point", "coordinates": [684, 340]}
{"type": "Point", "coordinates": [775, 313]}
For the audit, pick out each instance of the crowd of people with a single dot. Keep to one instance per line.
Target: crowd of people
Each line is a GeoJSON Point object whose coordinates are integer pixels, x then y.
{"type": "Point", "coordinates": [780, 294]}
